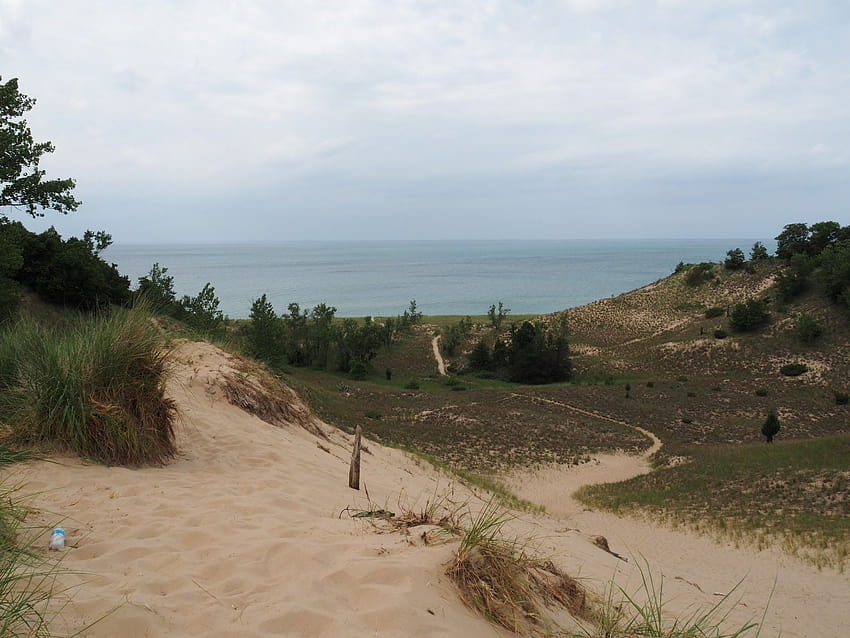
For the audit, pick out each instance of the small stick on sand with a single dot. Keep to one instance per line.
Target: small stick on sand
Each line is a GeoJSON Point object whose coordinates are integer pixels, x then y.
{"type": "Point", "coordinates": [354, 470]}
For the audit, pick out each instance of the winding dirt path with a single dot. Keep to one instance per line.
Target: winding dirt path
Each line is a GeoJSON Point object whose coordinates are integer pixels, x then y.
{"type": "Point", "coordinates": [441, 365]}
{"type": "Point", "coordinates": [553, 485]}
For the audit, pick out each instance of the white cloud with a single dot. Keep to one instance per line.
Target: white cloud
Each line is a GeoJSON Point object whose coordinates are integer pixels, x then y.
{"type": "Point", "coordinates": [193, 100]}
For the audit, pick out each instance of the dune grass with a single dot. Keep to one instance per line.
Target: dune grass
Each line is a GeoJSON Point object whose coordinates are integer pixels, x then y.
{"type": "Point", "coordinates": [28, 594]}
{"type": "Point", "coordinates": [94, 385]}
{"type": "Point", "coordinates": [499, 577]}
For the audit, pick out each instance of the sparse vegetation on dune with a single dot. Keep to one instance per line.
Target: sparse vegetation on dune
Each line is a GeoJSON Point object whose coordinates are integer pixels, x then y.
{"type": "Point", "coordinates": [791, 494]}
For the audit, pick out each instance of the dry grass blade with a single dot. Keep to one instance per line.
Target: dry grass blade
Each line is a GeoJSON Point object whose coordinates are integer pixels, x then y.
{"type": "Point", "coordinates": [268, 399]}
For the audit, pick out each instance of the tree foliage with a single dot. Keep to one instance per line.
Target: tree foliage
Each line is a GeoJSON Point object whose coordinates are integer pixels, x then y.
{"type": "Point", "coordinates": [750, 315]}
{"type": "Point", "coordinates": [759, 252]}
{"type": "Point", "coordinates": [770, 427]}
{"type": "Point", "coordinates": [735, 259]}
{"type": "Point", "coordinates": [69, 272]}
{"type": "Point", "coordinates": [202, 311]}
{"type": "Point", "coordinates": [22, 182]}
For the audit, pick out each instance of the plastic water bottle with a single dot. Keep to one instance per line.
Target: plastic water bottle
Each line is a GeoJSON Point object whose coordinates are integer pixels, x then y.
{"type": "Point", "coordinates": [57, 540]}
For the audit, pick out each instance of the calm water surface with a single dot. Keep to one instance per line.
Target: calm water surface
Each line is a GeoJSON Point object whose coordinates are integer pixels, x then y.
{"type": "Point", "coordinates": [445, 277]}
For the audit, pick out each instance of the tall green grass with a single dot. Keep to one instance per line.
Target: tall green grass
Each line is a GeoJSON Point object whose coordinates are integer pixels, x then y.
{"type": "Point", "coordinates": [95, 385]}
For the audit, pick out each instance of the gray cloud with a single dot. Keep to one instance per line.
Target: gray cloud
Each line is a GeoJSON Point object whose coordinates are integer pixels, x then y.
{"type": "Point", "coordinates": [408, 119]}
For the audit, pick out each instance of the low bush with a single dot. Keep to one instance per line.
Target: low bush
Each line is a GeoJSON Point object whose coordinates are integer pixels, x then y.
{"type": "Point", "coordinates": [750, 315]}
{"type": "Point", "coordinates": [357, 370]}
{"type": "Point", "coordinates": [715, 311]}
{"type": "Point", "coordinates": [411, 385]}
{"type": "Point", "coordinates": [720, 333]}
{"type": "Point", "coordinates": [794, 369]}
{"type": "Point", "coordinates": [808, 328]}
{"type": "Point", "coordinates": [372, 414]}
{"type": "Point", "coordinates": [699, 274]}
{"type": "Point", "coordinates": [841, 398]}
{"type": "Point", "coordinates": [761, 392]}
{"type": "Point", "coordinates": [96, 386]}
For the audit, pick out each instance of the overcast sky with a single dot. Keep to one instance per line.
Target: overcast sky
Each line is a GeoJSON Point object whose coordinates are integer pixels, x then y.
{"type": "Point", "coordinates": [231, 121]}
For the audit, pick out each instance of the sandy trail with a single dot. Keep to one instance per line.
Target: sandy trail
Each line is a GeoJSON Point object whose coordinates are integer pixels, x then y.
{"type": "Point", "coordinates": [244, 534]}
{"type": "Point", "coordinates": [441, 365]}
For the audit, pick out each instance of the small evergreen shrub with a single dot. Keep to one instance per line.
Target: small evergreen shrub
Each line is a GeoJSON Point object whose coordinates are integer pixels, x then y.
{"type": "Point", "coordinates": [794, 369]}
{"type": "Point", "coordinates": [808, 328]}
{"type": "Point", "coordinates": [750, 315]}
{"type": "Point", "coordinates": [761, 392]}
{"type": "Point", "coordinates": [735, 259]}
{"type": "Point", "coordinates": [692, 394]}
{"type": "Point", "coordinates": [413, 384]}
{"type": "Point", "coordinates": [770, 428]}
{"type": "Point", "coordinates": [372, 414]}
{"type": "Point", "coordinates": [357, 370]}
{"type": "Point", "coordinates": [650, 384]}
{"type": "Point", "coordinates": [715, 311]}
{"type": "Point", "coordinates": [687, 420]}
{"type": "Point", "coordinates": [699, 274]}
{"type": "Point", "coordinates": [841, 398]}
{"type": "Point", "coordinates": [720, 333]}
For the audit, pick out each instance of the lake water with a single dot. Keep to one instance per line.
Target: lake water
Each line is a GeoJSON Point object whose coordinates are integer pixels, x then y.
{"type": "Point", "coordinates": [444, 277]}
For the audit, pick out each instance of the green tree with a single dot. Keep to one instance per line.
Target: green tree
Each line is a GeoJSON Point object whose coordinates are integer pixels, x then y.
{"type": "Point", "coordinates": [202, 311]}
{"type": "Point", "coordinates": [834, 274]}
{"type": "Point", "coordinates": [793, 239]}
{"type": "Point", "coordinates": [497, 315]}
{"type": "Point", "coordinates": [749, 316]}
{"type": "Point", "coordinates": [157, 288]}
{"type": "Point", "coordinates": [770, 428]}
{"type": "Point", "coordinates": [823, 234]}
{"type": "Point", "coordinates": [759, 252]}
{"type": "Point", "coordinates": [22, 183]}
{"type": "Point", "coordinates": [480, 358]}
{"type": "Point", "coordinates": [808, 328]}
{"type": "Point", "coordinates": [265, 333]}
{"type": "Point", "coordinates": [735, 259]}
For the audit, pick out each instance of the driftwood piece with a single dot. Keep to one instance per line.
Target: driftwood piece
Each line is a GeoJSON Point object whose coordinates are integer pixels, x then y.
{"type": "Point", "coordinates": [354, 470]}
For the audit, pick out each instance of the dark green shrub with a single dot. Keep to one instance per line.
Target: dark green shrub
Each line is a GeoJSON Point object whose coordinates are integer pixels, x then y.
{"type": "Point", "coordinates": [458, 388]}
{"type": "Point", "coordinates": [202, 311]}
{"type": "Point", "coordinates": [735, 259]}
{"type": "Point", "coordinates": [794, 369]}
{"type": "Point", "coordinates": [761, 392]}
{"type": "Point", "coordinates": [720, 333]}
{"type": "Point", "coordinates": [388, 374]}
{"type": "Point", "coordinates": [716, 311]}
{"type": "Point", "coordinates": [650, 384]}
{"type": "Point", "coordinates": [699, 274]}
{"type": "Point", "coordinates": [687, 420]}
{"type": "Point", "coordinates": [480, 357]}
{"type": "Point", "coordinates": [411, 385]}
{"type": "Point", "coordinates": [692, 394]}
{"type": "Point", "coordinates": [372, 414]}
{"type": "Point", "coordinates": [759, 252]}
{"type": "Point", "coordinates": [453, 382]}
{"type": "Point", "coordinates": [749, 316]}
{"type": "Point", "coordinates": [682, 379]}
{"type": "Point", "coordinates": [808, 328]}
{"type": "Point", "coordinates": [841, 398]}
{"type": "Point", "coordinates": [357, 370]}
{"type": "Point", "coordinates": [770, 428]}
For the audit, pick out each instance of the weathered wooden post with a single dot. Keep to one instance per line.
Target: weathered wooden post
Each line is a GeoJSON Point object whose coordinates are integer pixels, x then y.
{"type": "Point", "coordinates": [354, 470]}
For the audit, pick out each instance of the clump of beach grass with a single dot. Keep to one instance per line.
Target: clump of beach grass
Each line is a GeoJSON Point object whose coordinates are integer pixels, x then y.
{"type": "Point", "coordinates": [95, 385]}
{"type": "Point", "coordinates": [622, 615]}
{"type": "Point", "coordinates": [29, 597]}
{"type": "Point", "coordinates": [497, 577]}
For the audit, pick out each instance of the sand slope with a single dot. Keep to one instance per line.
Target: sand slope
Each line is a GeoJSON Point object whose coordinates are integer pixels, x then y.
{"type": "Point", "coordinates": [245, 534]}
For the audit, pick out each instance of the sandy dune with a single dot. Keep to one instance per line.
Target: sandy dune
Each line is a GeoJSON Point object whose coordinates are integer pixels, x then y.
{"type": "Point", "coordinates": [245, 535]}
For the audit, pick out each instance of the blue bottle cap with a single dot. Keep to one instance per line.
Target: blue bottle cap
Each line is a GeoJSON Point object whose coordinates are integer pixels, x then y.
{"type": "Point", "coordinates": [59, 530]}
